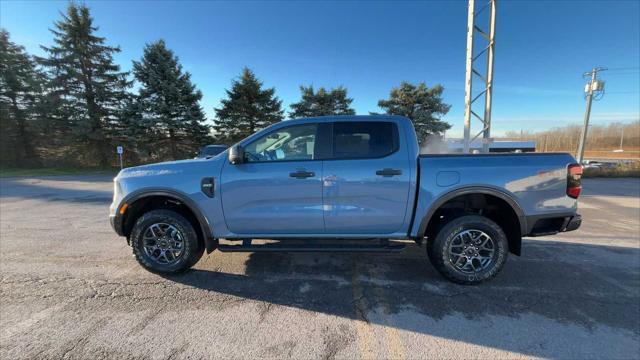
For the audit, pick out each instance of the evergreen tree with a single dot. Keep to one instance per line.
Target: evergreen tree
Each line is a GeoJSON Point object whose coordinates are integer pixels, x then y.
{"type": "Point", "coordinates": [423, 105]}
{"type": "Point", "coordinates": [86, 88]}
{"type": "Point", "coordinates": [169, 119]}
{"type": "Point", "coordinates": [322, 102]}
{"type": "Point", "coordinates": [247, 109]}
{"type": "Point", "coordinates": [20, 89]}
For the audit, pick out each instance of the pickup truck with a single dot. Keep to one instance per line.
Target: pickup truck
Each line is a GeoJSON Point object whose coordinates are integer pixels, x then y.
{"type": "Point", "coordinates": [346, 183]}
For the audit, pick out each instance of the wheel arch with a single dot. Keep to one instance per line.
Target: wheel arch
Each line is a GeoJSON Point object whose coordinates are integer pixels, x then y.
{"type": "Point", "coordinates": [428, 225]}
{"type": "Point", "coordinates": [143, 200]}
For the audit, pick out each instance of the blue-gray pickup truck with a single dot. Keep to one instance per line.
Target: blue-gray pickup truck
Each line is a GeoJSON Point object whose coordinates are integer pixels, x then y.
{"type": "Point", "coordinates": [346, 183]}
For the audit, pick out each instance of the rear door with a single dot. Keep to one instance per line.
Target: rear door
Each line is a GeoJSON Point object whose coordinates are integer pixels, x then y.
{"type": "Point", "coordinates": [278, 188]}
{"type": "Point", "coordinates": [366, 179]}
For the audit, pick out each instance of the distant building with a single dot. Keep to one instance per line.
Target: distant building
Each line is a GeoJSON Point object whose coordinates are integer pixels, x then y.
{"type": "Point", "coordinates": [497, 146]}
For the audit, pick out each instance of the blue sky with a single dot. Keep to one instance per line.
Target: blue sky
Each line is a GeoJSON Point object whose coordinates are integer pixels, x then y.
{"type": "Point", "coordinates": [542, 49]}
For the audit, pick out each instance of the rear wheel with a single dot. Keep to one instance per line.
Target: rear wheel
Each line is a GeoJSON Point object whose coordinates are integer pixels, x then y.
{"type": "Point", "coordinates": [164, 241]}
{"type": "Point", "coordinates": [469, 250]}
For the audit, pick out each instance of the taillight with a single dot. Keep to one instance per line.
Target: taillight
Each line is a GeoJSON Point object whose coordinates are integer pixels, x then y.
{"type": "Point", "coordinates": [574, 182]}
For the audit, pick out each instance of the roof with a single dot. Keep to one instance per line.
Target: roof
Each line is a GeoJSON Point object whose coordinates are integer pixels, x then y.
{"type": "Point", "coordinates": [331, 118]}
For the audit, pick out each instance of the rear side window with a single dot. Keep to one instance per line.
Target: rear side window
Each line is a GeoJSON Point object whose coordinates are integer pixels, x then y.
{"type": "Point", "coordinates": [369, 139]}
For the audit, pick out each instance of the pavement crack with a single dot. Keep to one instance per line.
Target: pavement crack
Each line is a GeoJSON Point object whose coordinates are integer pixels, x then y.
{"type": "Point", "coordinates": [146, 320]}
{"type": "Point", "coordinates": [83, 339]}
{"type": "Point", "coordinates": [264, 308]}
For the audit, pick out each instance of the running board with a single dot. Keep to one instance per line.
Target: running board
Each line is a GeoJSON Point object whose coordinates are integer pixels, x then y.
{"type": "Point", "coordinates": [280, 247]}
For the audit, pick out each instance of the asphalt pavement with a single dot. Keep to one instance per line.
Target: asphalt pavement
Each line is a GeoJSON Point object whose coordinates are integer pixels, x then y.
{"type": "Point", "coordinates": [71, 289]}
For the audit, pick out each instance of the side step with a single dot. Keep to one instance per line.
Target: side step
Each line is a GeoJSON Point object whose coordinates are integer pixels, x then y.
{"type": "Point", "coordinates": [282, 246]}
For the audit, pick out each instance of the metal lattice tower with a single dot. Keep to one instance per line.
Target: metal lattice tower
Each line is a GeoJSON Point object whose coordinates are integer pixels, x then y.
{"type": "Point", "coordinates": [487, 78]}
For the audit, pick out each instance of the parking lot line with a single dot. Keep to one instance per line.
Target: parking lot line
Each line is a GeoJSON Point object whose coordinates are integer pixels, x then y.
{"type": "Point", "coordinates": [366, 331]}
{"type": "Point", "coordinates": [395, 347]}
{"type": "Point", "coordinates": [363, 329]}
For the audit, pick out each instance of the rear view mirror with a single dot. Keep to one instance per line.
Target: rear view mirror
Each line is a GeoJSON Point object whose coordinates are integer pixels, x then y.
{"type": "Point", "coordinates": [236, 155]}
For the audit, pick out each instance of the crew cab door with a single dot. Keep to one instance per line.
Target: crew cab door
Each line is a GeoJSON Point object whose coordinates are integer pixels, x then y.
{"type": "Point", "coordinates": [278, 188]}
{"type": "Point", "coordinates": [366, 179]}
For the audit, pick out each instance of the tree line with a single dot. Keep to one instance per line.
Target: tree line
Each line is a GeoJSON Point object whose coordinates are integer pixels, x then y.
{"type": "Point", "coordinates": [614, 136]}
{"type": "Point", "coordinates": [72, 106]}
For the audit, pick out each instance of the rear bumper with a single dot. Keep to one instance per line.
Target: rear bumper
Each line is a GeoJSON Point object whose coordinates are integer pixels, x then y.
{"type": "Point", "coordinates": [552, 224]}
{"type": "Point", "coordinates": [573, 223]}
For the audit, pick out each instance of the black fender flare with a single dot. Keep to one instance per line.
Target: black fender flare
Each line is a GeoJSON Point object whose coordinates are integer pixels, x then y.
{"type": "Point", "coordinates": [209, 242]}
{"type": "Point", "coordinates": [473, 190]}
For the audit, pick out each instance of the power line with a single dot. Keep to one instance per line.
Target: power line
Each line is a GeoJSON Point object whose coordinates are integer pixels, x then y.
{"type": "Point", "coordinates": [636, 73]}
{"type": "Point", "coordinates": [624, 68]}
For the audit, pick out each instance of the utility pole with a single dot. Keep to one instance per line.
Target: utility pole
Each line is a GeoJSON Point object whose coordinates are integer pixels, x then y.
{"type": "Point", "coordinates": [487, 78]}
{"type": "Point", "coordinates": [594, 87]}
{"type": "Point", "coordinates": [621, 137]}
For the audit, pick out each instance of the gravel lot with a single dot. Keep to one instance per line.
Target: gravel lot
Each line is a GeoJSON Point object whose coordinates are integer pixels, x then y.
{"type": "Point", "coordinates": [70, 288]}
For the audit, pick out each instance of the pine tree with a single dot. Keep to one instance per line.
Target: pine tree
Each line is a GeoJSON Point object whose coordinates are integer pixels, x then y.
{"type": "Point", "coordinates": [247, 109]}
{"type": "Point", "coordinates": [20, 89]}
{"type": "Point", "coordinates": [86, 87]}
{"type": "Point", "coordinates": [322, 102]}
{"type": "Point", "coordinates": [170, 120]}
{"type": "Point", "coordinates": [423, 105]}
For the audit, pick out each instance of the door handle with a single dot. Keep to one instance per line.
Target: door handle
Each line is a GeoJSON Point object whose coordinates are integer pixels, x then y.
{"type": "Point", "coordinates": [301, 174]}
{"type": "Point", "coordinates": [389, 172]}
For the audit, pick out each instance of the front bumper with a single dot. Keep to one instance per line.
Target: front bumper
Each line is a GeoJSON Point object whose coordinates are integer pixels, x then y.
{"type": "Point", "coordinates": [116, 223]}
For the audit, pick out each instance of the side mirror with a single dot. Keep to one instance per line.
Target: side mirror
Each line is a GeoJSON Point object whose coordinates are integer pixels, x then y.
{"type": "Point", "coordinates": [236, 155]}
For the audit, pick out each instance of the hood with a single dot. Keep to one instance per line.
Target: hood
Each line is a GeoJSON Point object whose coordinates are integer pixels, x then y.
{"type": "Point", "coordinates": [167, 168]}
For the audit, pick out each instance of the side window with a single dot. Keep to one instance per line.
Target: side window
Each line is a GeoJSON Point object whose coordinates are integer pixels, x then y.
{"type": "Point", "coordinates": [371, 139]}
{"type": "Point", "coordinates": [290, 143]}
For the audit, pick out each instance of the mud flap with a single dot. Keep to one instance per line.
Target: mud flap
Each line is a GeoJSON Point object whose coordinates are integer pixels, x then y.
{"type": "Point", "coordinates": [210, 244]}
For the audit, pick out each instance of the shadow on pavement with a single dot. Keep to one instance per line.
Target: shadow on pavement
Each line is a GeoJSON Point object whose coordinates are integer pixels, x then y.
{"type": "Point", "coordinates": [47, 189]}
{"type": "Point", "coordinates": [551, 280]}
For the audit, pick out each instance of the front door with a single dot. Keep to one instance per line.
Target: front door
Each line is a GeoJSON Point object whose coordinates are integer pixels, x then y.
{"type": "Point", "coordinates": [278, 188]}
{"type": "Point", "coordinates": [366, 179]}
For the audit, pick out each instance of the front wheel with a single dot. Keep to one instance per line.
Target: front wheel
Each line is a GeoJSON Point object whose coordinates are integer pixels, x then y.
{"type": "Point", "coordinates": [469, 250]}
{"type": "Point", "coordinates": [164, 241]}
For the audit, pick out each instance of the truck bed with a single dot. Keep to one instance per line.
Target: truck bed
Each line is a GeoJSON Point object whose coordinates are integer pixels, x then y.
{"type": "Point", "coordinates": [536, 182]}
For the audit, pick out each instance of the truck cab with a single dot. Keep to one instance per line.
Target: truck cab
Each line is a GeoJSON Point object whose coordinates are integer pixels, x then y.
{"type": "Point", "coordinates": [321, 178]}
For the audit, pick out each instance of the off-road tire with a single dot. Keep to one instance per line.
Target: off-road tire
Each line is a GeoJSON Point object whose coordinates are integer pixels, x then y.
{"type": "Point", "coordinates": [193, 249]}
{"type": "Point", "coordinates": [438, 249]}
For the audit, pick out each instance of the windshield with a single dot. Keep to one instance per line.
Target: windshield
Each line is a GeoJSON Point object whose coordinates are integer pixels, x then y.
{"type": "Point", "coordinates": [211, 150]}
